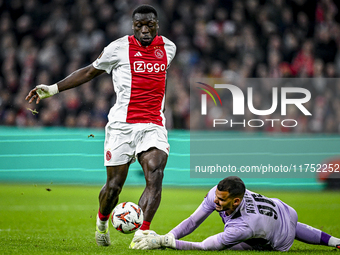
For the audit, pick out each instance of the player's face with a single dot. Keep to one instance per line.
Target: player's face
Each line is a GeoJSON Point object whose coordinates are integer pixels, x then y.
{"type": "Point", "coordinates": [145, 27]}
{"type": "Point", "coordinates": [224, 202]}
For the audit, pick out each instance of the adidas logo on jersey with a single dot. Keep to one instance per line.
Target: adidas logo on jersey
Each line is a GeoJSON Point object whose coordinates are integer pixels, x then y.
{"type": "Point", "coordinates": [138, 54]}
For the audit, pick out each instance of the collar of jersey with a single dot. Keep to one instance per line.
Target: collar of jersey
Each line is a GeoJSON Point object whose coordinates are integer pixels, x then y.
{"type": "Point", "coordinates": [154, 41]}
{"type": "Point", "coordinates": [237, 211]}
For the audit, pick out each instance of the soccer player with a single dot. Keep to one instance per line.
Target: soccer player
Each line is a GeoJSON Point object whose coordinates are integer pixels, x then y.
{"type": "Point", "coordinates": [251, 222]}
{"type": "Point", "coordinates": [136, 123]}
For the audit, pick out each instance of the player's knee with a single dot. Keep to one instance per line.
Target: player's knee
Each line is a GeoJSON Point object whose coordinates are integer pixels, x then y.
{"type": "Point", "coordinates": [113, 189]}
{"type": "Point", "coordinates": [155, 170]}
{"type": "Point", "coordinates": [156, 165]}
{"type": "Point", "coordinates": [153, 167]}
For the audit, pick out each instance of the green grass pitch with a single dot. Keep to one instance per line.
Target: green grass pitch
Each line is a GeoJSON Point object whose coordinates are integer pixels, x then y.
{"type": "Point", "coordinates": [53, 219]}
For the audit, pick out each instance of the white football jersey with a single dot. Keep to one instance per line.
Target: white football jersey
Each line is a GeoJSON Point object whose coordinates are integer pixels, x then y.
{"type": "Point", "coordinates": [139, 78]}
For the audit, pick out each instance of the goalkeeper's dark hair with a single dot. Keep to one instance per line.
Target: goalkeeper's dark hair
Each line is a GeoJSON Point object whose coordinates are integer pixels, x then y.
{"type": "Point", "coordinates": [145, 8]}
{"type": "Point", "coordinates": [234, 185]}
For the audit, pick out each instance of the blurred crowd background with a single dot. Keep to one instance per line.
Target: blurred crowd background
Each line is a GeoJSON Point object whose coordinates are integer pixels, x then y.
{"type": "Point", "coordinates": [43, 41]}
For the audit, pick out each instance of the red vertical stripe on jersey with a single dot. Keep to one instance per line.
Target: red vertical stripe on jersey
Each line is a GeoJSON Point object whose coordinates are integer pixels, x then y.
{"type": "Point", "coordinates": [148, 71]}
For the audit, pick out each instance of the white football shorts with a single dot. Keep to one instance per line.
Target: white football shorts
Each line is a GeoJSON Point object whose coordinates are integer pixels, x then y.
{"type": "Point", "coordinates": [123, 141]}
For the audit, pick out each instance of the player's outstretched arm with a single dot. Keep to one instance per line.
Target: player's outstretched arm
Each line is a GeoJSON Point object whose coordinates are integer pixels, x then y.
{"type": "Point", "coordinates": [190, 224]}
{"type": "Point", "coordinates": [212, 243]}
{"type": "Point", "coordinates": [79, 77]}
{"type": "Point", "coordinates": [75, 79]}
{"type": "Point", "coordinates": [150, 242]}
{"type": "Point", "coordinates": [226, 239]}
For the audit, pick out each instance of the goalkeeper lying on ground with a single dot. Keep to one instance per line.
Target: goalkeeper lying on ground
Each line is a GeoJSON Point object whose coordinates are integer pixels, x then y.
{"type": "Point", "coordinates": [251, 222]}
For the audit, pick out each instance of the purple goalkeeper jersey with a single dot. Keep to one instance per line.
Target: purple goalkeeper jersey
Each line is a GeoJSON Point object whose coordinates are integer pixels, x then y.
{"type": "Point", "coordinates": [259, 222]}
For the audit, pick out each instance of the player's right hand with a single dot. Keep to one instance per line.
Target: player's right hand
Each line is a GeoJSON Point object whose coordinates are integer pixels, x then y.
{"type": "Point", "coordinates": [149, 241]}
{"type": "Point", "coordinates": [168, 240]}
{"type": "Point", "coordinates": [42, 91]}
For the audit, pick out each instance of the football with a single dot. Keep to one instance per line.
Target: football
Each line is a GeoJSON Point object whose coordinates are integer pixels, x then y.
{"type": "Point", "coordinates": [127, 217]}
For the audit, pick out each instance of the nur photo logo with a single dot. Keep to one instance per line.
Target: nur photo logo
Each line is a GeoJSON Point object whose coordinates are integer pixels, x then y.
{"type": "Point", "coordinates": [210, 91]}
{"type": "Point", "coordinates": [275, 112]}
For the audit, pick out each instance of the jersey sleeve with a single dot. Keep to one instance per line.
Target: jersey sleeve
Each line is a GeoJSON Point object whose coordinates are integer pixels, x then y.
{"type": "Point", "coordinates": [109, 58]}
{"type": "Point", "coordinates": [170, 49]}
{"type": "Point", "coordinates": [210, 244]}
{"type": "Point", "coordinates": [230, 237]}
{"type": "Point", "coordinates": [190, 224]}
{"type": "Point", "coordinates": [235, 234]}
{"type": "Point", "coordinates": [208, 204]}
{"type": "Point", "coordinates": [202, 212]}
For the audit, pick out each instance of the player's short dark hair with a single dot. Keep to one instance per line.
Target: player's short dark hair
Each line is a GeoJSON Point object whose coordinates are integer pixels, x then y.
{"type": "Point", "coordinates": [145, 8]}
{"type": "Point", "coordinates": [234, 185]}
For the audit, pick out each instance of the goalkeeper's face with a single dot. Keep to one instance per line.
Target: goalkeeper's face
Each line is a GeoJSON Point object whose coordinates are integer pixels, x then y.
{"type": "Point", "coordinates": [145, 27]}
{"type": "Point", "coordinates": [224, 202]}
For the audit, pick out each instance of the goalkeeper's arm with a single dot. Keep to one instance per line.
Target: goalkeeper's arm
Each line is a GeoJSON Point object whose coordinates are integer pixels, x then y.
{"type": "Point", "coordinates": [224, 240]}
{"type": "Point", "coordinates": [209, 244]}
{"type": "Point", "coordinates": [190, 224]}
{"type": "Point", "coordinates": [149, 242]}
{"type": "Point", "coordinates": [230, 237]}
{"type": "Point", "coordinates": [75, 79]}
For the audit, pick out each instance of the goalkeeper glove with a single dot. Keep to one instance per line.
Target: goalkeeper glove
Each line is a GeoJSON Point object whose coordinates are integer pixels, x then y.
{"type": "Point", "coordinates": [149, 242]}
{"type": "Point", "coordinates": [169, 241]}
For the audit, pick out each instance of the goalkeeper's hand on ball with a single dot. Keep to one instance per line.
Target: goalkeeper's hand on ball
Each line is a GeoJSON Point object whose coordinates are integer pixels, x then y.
{"type": "Point", "coordinates": [149, 242]}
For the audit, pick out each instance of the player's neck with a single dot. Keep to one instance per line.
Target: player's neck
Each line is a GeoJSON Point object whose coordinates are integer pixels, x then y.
{"type": "Point", "coordinates": [140, 44]}
{"type": "Point", "coordinates": [229, 212]}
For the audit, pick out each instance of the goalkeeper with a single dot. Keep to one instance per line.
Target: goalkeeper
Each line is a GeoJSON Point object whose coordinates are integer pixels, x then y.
{"type": "Point", "coordinates": [251, 222]}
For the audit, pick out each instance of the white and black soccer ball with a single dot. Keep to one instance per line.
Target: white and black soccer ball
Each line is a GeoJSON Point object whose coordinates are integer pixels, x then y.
{"type": "Point", "coordinates": [127, 217]}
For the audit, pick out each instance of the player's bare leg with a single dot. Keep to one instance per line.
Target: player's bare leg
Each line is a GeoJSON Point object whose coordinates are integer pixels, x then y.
{"type": "Point", "coordinates": [108, 198]}
{"type": "Point", "coordinates": [153, 163]}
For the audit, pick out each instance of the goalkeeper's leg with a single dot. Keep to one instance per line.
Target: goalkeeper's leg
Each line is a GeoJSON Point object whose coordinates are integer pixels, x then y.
{"type": "Point", "coordinates": [310, 235]}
